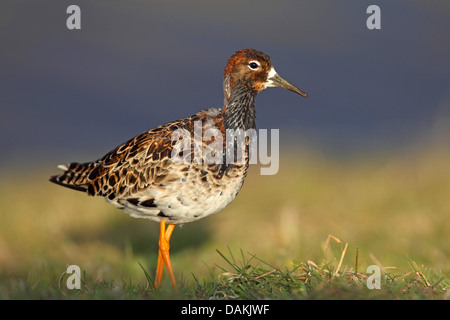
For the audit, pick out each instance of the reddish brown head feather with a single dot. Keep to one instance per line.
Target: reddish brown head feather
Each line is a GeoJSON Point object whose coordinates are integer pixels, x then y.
{"type": "Point", "coordinates": [237, 70]}
{"type": "Point", "coordinates": [243, 56]}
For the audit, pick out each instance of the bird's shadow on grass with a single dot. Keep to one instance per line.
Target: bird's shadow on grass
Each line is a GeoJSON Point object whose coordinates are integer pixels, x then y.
{"type": "Point", "coordinates": [143, 235]}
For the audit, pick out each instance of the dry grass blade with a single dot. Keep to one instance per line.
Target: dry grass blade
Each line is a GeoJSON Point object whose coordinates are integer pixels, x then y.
{"type": "Point", "coordinates": [340, 260]}
{"type": "Point", "coordinates": [420, 274]}
{"type": "Point", "coordinates": [327, 244]}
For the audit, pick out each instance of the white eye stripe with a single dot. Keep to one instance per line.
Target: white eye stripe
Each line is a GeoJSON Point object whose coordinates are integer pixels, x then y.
{"type": "Point", "coordinates": [253, 65]}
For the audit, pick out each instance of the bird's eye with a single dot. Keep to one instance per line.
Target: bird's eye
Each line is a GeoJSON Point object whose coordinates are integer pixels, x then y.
{"type": "Point", "coordinates": [253, 65]}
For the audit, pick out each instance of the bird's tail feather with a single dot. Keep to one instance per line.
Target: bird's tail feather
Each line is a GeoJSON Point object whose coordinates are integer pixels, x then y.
{"type": "Point", "coordinates": [74, 177]}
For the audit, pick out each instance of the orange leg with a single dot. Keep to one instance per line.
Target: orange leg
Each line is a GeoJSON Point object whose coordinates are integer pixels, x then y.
{"type": "Point", "coordinates": [163, 254]}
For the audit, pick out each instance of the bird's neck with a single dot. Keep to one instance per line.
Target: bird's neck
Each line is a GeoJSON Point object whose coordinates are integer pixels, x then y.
{"type": "Point", "coordinates": [239, 108]}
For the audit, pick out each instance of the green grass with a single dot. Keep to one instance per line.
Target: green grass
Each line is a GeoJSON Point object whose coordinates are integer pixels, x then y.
{"type": "Point", "coordinates": [307, 280]}
{"type": "Point", "coordinates": [248, 277]}
{"type": "Point", "coordinates": [390, 210]}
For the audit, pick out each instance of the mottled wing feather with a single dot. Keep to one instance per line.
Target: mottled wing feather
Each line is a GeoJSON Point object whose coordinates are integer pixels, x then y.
{"type": "Point", "coordinates": [123, 171]}
{"type": "Point", "coordinates": [135, 165]}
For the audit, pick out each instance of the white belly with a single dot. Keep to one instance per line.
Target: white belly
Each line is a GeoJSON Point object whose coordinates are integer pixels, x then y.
{"type": "Point", "coordinates": [188, 198]}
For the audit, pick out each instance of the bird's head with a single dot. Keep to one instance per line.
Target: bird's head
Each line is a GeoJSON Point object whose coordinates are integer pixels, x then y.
{"type": "Point", "coordinates": [253, 70]}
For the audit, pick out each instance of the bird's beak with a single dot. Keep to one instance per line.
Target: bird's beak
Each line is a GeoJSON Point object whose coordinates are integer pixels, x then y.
{"type": "Point", "coordinates": [274, 80]}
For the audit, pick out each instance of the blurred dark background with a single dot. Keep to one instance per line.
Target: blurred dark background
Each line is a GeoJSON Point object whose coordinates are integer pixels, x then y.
{"type": "Point", "coordinates": [72, 95]}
